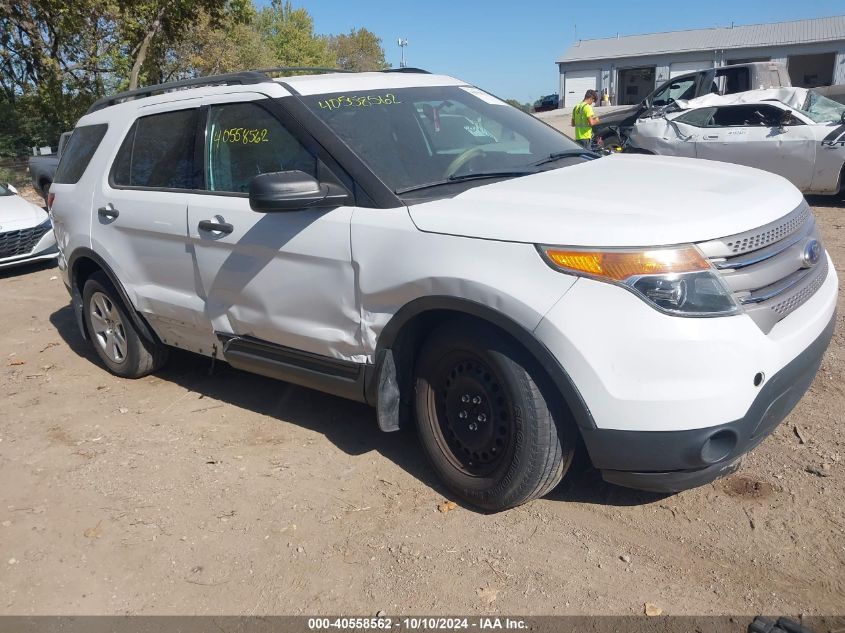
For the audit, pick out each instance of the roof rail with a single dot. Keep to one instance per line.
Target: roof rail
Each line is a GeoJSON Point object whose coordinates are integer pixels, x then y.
{"type": "Point", "coordinates": [317, 69]}
{"type": "Point", "coordinates": [246, 77]}
{"type": "Point", "coordinates": [243, 78]}
{"type": "Point", "coordinates": [300, 69]}
{"type": "Point", "coordinates": [406, 69]}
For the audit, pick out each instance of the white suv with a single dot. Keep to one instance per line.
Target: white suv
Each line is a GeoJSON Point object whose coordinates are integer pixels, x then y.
{"type": "Point", "coordinates": [410, 241]}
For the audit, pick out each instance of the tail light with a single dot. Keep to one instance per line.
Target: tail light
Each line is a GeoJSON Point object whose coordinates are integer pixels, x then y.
{"type": "Point", "coordinates": [50, 198]}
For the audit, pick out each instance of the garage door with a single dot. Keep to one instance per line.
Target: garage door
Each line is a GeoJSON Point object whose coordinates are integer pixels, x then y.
{"type": "Point", "coordinates": [576, 83]}
{"type": "Point", "coordinates": [682, 68]}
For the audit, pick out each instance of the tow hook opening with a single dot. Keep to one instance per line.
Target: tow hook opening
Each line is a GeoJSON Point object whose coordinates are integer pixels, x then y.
{"type": "Point", "coordinates": [718, 446]}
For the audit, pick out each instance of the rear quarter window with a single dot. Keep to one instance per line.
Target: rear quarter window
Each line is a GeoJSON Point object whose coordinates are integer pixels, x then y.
{"type": "Point", "coordinates": [80, 149]}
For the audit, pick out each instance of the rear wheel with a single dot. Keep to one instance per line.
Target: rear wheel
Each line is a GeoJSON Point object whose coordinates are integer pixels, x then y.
{"type": "Point", "coordinates": [485, 424]}
{"type": "Point", "coordinates": [116, 340]}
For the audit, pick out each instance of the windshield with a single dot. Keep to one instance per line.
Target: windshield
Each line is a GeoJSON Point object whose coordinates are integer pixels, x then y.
{"type": "Point", "coordinates": [411, 137]}
{"type": "Point", "coordinates": [821, 109]}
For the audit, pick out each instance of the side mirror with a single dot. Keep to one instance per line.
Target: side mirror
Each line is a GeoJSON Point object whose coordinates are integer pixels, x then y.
{"type": "Point", "coordinates": [12, 188]}
{"type": "Point", "coordinates": [786, 119]}
{"type": "Point", "coordinates": [842, 117]}
{"type": "Point", "coordinates": [293, 191]}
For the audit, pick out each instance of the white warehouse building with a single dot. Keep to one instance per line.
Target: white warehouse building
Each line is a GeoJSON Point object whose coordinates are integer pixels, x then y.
{"type": "Point", "coordinates": [629, 68]}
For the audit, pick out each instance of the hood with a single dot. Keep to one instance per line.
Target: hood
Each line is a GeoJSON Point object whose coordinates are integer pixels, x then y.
{"type": "Point", "coordinates": [16, 213]}
{"type": "Point", "coordinates": [619, 115]}
{"type": "Point", "coordinates": [619, 200]}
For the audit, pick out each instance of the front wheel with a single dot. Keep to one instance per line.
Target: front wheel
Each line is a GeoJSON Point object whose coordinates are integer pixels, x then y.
{"type": "Point", "coordinates": [485, 424]}
{"type": "Point", "coordinates": [116, 340]}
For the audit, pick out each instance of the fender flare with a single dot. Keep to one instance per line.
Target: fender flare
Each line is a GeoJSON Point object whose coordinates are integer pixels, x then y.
{"type": "Point", "coordinates": [384, 351]}
{"type": "Point", "coordinates": [76, 294]}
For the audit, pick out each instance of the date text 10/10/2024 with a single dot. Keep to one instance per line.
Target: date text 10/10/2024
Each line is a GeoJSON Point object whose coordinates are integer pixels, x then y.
{"type": "Point", "coordinates": [416, 623]}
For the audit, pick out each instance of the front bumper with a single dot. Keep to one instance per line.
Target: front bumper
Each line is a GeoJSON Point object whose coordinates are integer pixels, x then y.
{"type": "Point", "coordinates": [670, 461]}
{"type": "Point", "coordinates": [43, 249]}
{"type": "Point", "coordinates": [668, 403]}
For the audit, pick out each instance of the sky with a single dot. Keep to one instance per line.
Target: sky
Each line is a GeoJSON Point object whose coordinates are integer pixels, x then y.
{"type": "Point", "coordinates": [509, 47]}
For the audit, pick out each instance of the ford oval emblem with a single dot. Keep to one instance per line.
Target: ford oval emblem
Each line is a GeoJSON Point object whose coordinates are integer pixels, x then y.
{"type": "Point", "coordinates": [812, 253]}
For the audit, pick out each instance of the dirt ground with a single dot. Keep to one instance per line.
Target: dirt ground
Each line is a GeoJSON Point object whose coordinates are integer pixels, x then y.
{"type": "Point", "coordinates": [228, 493]}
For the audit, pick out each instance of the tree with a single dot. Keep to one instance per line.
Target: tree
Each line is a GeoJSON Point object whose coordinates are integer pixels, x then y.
{"type": "Point", "coordinates": [230, 45]}
{"type": "Point", "coordinates": [57, 57]}
{"type": "Point", "coordinates": [54, 60]}
{"type": "Point", "coordinates": [525, 107]}
{"type": "Point", "coordinates": [357, 50]}
{"type": "Point", "coordinates": [151, 27]}
{"type": "Point", "coordinates": [48, 41]}
{"type": "Point", "coordinates": [290, 33]}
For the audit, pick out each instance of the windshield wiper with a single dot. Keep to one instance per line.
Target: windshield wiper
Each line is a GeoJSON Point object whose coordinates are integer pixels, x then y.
{"type": "Point", "coordinates": [464, 177]}
{"type": "Point", "coordinates": [565, 154]}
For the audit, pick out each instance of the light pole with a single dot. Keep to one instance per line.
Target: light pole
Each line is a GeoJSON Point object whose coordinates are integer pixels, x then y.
{"type": "Point", "coordinates": [402, 44]}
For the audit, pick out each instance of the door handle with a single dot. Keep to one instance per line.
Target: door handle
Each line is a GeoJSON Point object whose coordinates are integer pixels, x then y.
{"type": "Point", "coordinates": [215, 227]}
{"type": "Point", "coordinates": [108, 212]}
{"type": "Point", "coordinates": [711, 137]}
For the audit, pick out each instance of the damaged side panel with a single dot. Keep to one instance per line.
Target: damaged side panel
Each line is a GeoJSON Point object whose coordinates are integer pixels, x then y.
{"type": "Point", "coordinates": [662, 136]}
{"type": "Point", "coordinates": [284, 278]}
{"type": "Point", "coordinates": [398, 263]}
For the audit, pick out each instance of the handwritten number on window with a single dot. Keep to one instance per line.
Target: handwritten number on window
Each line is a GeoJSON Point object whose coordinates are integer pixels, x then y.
{"type": "Point", "coordinates": [242, 135]}
{"type": "Point", "coordinates": [358, 101]}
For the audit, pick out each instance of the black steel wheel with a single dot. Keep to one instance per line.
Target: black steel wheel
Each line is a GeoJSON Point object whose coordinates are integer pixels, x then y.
{"type": "Point", "coordinates": [490, 423]}
{"type": "Point", "coordinates": [475, 429]}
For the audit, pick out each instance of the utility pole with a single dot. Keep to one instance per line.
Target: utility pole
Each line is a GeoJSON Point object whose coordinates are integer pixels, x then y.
{"type": "Point", "coordinates": [402, 44]}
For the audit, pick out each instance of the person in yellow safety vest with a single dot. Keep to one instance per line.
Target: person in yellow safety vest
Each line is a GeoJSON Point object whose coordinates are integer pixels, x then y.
{"type": "Point", "coordinates": [584, 118]}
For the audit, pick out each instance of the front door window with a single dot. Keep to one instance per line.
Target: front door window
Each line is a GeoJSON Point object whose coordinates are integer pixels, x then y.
{"type": "Point", "coordinates": [244, 140]}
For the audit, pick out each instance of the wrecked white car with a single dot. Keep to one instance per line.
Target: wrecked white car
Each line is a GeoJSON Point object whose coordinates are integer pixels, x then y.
{"type": "Point", "coordinates": [794, 132]}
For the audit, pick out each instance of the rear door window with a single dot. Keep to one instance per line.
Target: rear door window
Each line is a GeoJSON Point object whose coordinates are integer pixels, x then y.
{"type": "Point", "coordinates": [80, 150]}
{"type": "Point", "coordinates": [158, 152]}
{"type": "Point", "coordinates": [736, 80]}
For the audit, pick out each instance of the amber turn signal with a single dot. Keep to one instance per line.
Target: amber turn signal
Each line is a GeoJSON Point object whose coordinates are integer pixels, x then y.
{"type": "Point", "coordinates": [619, 265]}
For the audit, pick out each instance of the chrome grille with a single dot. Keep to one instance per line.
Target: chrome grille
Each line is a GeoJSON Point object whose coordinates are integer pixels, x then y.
{"type": "Point", "coordinates": [21, 242]}
{"type": "Point", "coordinates": [766, 268]}
{"type": "Point", "coordinates": [768, 235]}
{"type": "Point", "coordinates": [791, 303]}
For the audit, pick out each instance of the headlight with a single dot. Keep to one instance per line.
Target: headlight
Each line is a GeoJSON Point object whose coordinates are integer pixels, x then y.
{"type": "Point", "coordinates": [678, 280]}
{"type": "Point", "coordinates": [47, 223]}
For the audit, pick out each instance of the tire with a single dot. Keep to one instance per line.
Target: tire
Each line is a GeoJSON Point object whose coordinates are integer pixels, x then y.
{"type": "Point", "coordinates": [117, 342]}
{"type": "Point", "coordinates": [487, 418]}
